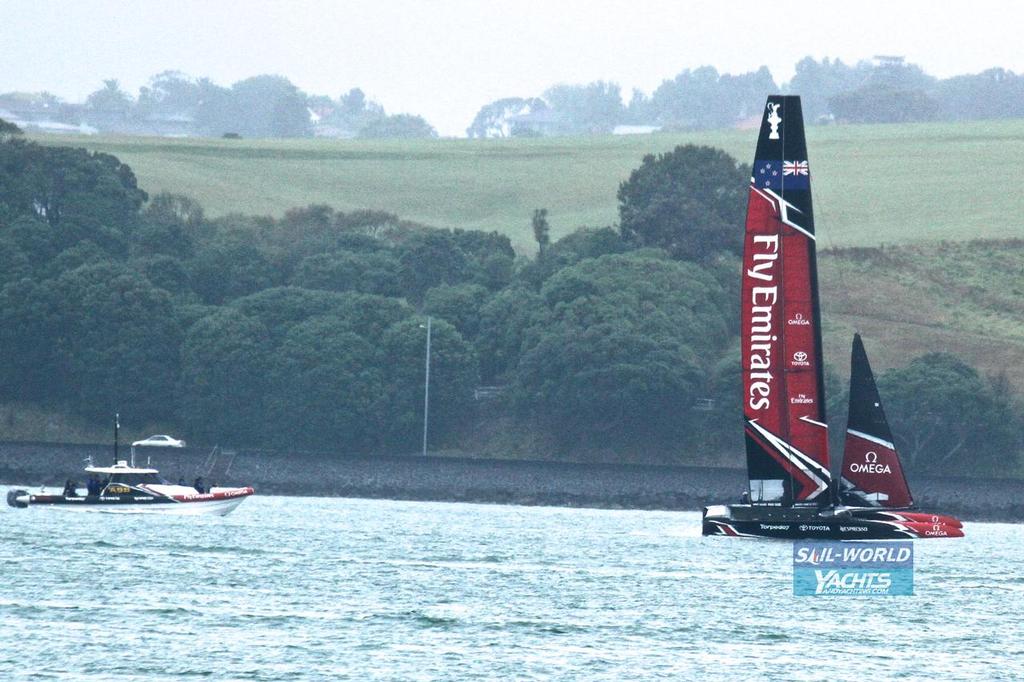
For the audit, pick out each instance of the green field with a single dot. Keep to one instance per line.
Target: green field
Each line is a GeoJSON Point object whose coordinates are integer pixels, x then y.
{"type": "Point", "coordinates": [962, 298]}
{"type": "Point", "coordinates": [873, 184]}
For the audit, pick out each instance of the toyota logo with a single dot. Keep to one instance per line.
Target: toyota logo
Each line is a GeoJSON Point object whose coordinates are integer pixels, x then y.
{"type": "Point", "coordinates": [800, 356]}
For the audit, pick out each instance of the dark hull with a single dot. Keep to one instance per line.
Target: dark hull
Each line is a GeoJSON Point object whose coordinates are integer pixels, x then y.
{"type": "Point", "coordinates": [809, 524]}
{"type": "Point", "coordinates": [97, 501]}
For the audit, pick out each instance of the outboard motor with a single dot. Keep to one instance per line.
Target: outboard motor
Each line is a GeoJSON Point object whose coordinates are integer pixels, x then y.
{"type": "Point", "coordinates": [12, 498]}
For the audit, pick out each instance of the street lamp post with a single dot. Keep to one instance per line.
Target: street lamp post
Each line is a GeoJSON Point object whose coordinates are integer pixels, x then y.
{"type": "Point", "coordinates": [426, 390]}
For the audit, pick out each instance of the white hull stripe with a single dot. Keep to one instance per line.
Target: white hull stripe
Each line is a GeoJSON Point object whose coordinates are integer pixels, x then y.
{"type": "Point", "coordinates": [812, 421]}
{"type": "Point", "coordinates": [733, 529]}
{"type": "Point", "coordinates": [818, 474]}
{"type": "Point", "coordinates": [873, 439]}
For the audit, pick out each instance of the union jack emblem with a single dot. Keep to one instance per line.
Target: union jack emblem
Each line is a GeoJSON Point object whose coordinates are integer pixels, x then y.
{"type": "Point", "coordinates": [794, 168]}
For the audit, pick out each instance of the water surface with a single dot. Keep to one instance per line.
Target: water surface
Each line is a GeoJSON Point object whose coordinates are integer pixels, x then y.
{"type": "Point", "coordinates": [305, 588]}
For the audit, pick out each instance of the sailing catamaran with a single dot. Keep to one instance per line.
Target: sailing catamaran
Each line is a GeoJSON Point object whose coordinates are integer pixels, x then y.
{"type": "Point", "coordinates": [791, 491]}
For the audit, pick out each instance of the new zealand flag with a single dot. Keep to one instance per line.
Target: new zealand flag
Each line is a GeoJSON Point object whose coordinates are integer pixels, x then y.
{"type": "Point", "coordinates": [778, 175]}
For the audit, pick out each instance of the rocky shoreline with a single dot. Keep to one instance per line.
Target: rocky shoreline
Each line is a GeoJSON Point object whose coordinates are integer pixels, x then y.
{"type": "Point", "coordinates": [480, 480]}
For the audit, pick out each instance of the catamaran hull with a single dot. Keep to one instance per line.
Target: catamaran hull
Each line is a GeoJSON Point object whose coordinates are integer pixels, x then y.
{"type": "Point", "coordinates": [910, 517]}
{"type": "Point", "coordinates": [214, 504]}
{"type": "Point", "coordinates": [739, 521]}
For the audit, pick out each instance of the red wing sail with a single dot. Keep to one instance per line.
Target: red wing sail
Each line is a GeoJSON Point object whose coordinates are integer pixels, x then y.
{"type": "Point", "coordinates": [872, 475]}
{"type": "Point", "coordinates": [784, 414]}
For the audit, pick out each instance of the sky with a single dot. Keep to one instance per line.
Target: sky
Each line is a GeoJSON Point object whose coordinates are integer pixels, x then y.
{"type": "Point", "coordinates": [445, 59]}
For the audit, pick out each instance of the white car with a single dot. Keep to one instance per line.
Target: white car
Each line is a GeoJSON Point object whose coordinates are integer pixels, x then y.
{"type": "Point", "coordinates": [162, 441]}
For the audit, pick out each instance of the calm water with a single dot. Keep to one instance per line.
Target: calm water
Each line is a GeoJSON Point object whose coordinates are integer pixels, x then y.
{"type": "Point", "coordinates": [300, 588]}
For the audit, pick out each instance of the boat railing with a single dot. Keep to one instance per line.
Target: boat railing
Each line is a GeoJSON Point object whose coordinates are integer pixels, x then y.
{"type": "Point", "coordinates": [218, 463]}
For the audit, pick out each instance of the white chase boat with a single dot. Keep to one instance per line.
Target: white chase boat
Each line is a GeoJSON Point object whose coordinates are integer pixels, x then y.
{"type": "Point", "coordinates": [125, 488]}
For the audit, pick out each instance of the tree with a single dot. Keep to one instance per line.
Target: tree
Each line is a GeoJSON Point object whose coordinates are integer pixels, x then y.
{"type": "Point", "coordinates": [325, 388]}
{"type": "Point", "coordinates": [948, 419]}
{"type": "Point", "coordinates": [585, 242]}
{"type": "Point", "coordinates": [226, 358]}
{"type": "Point", "coordinates": [32, 343]}
{"type": "Point", "coordinates": [216, 111]}
{"type": "Point", "coordinates": [586, 109]}
{"type": "Point", "coordinates": [120, 341]}
{"type": "Point", "coordinates": [883, 104]}
{"type": "Point", "coordinates": [169, 93]}
{"type": "Point", "coordinates": [689, 201]}
{"type": "Point", "coordinates": [82, 195]}
{"type": "Point", "coordinates": [32, 238]}
{"type": "Point", "coordinates": [369, 273]}
{"type": "Point", "coordinates": [893, 92]}
{"type": "Point", "coordinates": [401, 126]}
{"type": "Point", "coordinates": [702, 98]}
{"type": "Point", "coordinates": [504, 322]}
{"type": "Point", "coordinates": [659, 296]}
{"type": "Point", "coordinates": [994, 93]}
{"type": "Point", "coordinates": [8, 130]}
{"type": "Point", "coordinates": [229, 267]}
{"type": "Point", "coordinates": [608, 383]}
{"type": "Point", "coordinates": [85, 252]}
{"type": "Point", "coordinates": [160, 234]}
{"type": "Point", "coordinates": [490, 257]}
{"type": "Point", "coordinates": [428, 259]}
{"type": "Point", "coordinates": [353, 102]}
{"type": "Point", "coordinates": [588, 242]}
{"type": "Point", "coordinates": [261, 106]}
{"type": "Point", "coordinates": [541, 231]}
{"type": "Point", "coordinates": [177, 209]}
{"type": "Point", "coordinates": [453, 375]}
{"type": "Point", "coordinates": [354, 112]}
{"type": "Point", "coordinates": [109, 99]}
{"type": "Point", "coordinates": [818, 83]}
{"type": "Point", "coordinates": [458, 304]}
{"type": "Point", "coordinates": [497, 119]}
{"type": "Point", "coordinates": [167, 273]}
{"type": "Point", "coordinates": [614, 348]}
{"type": "Point", "coordinates": [281, 308]}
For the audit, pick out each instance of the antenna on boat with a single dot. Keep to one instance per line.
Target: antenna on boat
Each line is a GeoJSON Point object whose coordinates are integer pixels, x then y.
{"type": "Point", "coordinates": [117, 425]}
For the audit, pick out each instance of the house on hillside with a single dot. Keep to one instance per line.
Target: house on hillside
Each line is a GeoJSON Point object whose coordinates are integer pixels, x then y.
{"type": "Point", "coordinates": [327, 121]}
{"type": "Point", "coordinates": [536, 123]}
{"type": "Point", "coordinates": [42, 112]}
{"type": "Point", "coordinates": [168, 124]}
{"type": "Point", "coordinates": [635, 129]}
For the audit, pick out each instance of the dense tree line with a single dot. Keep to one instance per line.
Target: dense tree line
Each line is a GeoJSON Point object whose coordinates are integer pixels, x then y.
{"type": "Point", "coordinates": [307, 331]}
{"type": "Point", "coordinates": [886, 90]}
{"type": "Point", "coordinates": [882, 90]}
{"type": "Point", "coordinates": [261, 106]}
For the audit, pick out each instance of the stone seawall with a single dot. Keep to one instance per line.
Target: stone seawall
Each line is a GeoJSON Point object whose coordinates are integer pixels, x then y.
{"type": "Point", "coordinates": [481, 480]}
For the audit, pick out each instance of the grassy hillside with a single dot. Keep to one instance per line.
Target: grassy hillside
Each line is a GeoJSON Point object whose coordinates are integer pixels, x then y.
{"type": "Point", "coordinates": [29, 422]}
{"type": "Point", "coordinates": [873, 184]}
{"type": "Point", "coordinates": [966, 299]}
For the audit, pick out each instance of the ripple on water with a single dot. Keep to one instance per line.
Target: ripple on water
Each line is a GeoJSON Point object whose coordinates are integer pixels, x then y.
{"type": "Point", "coordinates": [289, 588]}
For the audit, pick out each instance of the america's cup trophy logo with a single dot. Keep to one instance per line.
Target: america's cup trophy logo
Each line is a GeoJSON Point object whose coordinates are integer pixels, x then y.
{"type": "Point", "coordinates": [774, 120]}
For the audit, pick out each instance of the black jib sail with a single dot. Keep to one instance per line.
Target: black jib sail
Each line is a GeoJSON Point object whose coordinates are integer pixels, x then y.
{"type": "Point", "coordinates": [871, 475]}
